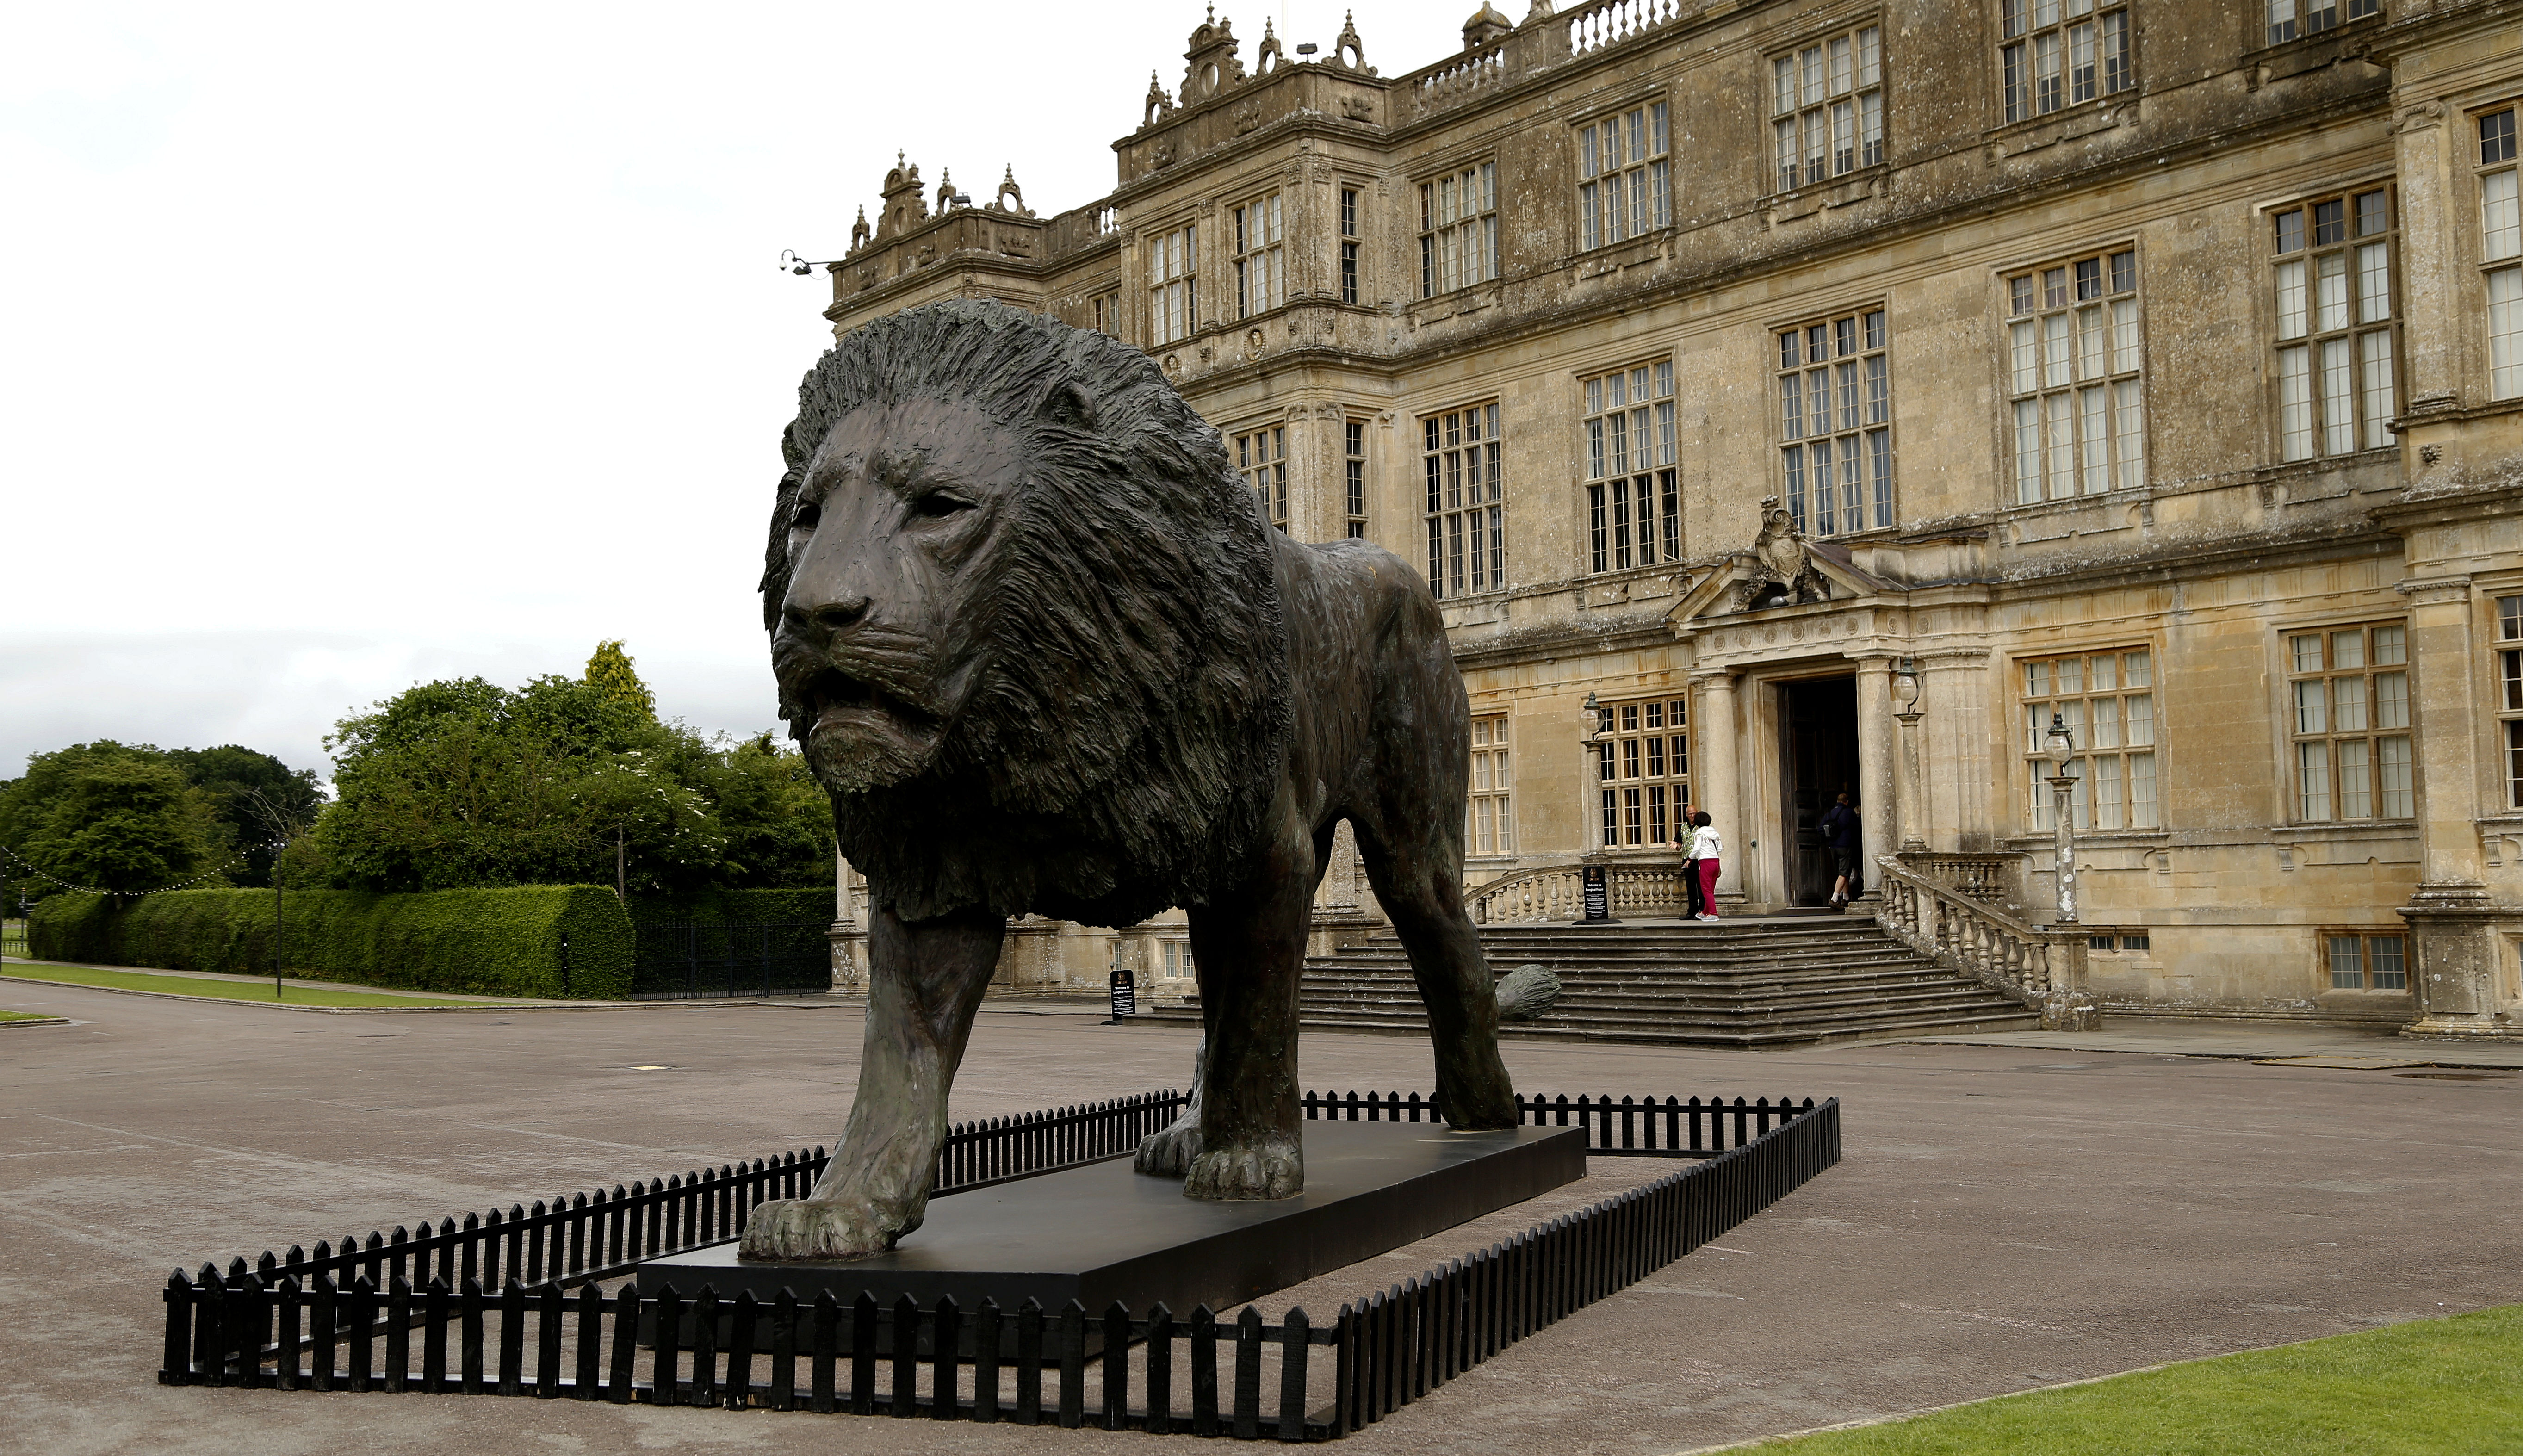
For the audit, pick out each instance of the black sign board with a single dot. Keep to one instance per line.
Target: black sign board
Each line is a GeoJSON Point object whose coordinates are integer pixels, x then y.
{"type": "Point", "coordinates": [1598, 904]}
{"type": "Point", "coordinates": [1126, 993]}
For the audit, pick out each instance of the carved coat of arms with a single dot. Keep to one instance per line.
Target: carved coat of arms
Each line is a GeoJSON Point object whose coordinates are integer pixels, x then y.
{"type": "Point", "coordinates": [1783, 569]}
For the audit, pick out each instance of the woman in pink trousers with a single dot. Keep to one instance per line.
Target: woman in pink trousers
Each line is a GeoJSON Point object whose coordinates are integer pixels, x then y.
{"type": "Point", "coordinates": [1706, 847]}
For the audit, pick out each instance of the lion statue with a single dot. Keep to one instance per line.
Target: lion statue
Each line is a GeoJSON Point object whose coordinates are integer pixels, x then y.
{"type": "Point", "coordinates": [1040, 647]}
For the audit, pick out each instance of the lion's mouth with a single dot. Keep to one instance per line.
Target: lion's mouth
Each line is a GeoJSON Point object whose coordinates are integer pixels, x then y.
{"type": "Point", "coordinates": [833, 697]}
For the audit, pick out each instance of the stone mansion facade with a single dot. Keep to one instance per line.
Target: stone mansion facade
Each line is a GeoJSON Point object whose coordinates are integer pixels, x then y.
{"type": "Point", "coordinates": [2156, 365]}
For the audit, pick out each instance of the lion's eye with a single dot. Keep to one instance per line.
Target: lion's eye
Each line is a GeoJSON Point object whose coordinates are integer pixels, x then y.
{"type": "Point", "coordinates": [938, 503]}
{"type": "Point", "coordinates": [805, 515]}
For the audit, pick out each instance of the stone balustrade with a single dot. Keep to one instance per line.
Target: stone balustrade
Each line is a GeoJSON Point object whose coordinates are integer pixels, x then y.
{"type": "Point", "coordinates": [2043, 966]}
{"type": "Point", "coordinates": [1640, 887]}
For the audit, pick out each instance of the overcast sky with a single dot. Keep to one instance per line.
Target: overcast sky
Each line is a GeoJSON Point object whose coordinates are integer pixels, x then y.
{"type": "Point", "coordinates": [344, 348]}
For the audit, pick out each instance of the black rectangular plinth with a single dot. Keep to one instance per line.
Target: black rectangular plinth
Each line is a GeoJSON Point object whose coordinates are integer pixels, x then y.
{"type": "Point", "coordinates": [1104, 1232]}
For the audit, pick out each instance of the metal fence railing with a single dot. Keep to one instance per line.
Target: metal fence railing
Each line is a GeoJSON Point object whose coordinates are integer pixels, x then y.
{"type": "Point", "coordinates": [299, 1325]}
{"type": "Point", "coordinates": [686, 960]}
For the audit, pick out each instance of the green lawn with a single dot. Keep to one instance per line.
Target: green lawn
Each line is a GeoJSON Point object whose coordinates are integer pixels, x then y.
{"type": "Point", "coordinates": [25, 1016]}
{"type": "Point", "coordinates": [179, 985]}
{"type": "Point", "coordinates": [2452, 1385]}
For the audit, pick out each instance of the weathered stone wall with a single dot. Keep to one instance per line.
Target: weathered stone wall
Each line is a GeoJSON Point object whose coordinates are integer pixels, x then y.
{"type": "Point", "coordinates": [2221, 552]}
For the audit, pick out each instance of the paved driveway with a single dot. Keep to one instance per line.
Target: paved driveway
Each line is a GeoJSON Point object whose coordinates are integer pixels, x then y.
{"type": "Point", "coordinates": [2006, 1216]}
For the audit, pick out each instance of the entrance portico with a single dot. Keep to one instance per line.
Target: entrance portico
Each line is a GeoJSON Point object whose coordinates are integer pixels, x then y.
{"type": "Point", "coordinates": [1792, 647]}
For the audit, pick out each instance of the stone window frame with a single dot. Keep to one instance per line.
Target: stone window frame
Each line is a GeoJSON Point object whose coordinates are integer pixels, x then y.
{"type": "Point", "coordinates": [2022, 25]}
{"type": "Point", "coordinates": [1856, 367]}
{"type": "Point", "coordinates": [1466, 488]}
{"type": "Point", "coordinates": [1170, 959]}
{"type": "Point", "coordinates": [1354, 470]}
{"type": "Point", "coordinates": [2303, 236]}
{"type": "Point", "coordinates": [1458, 231]}
{"type": "Point", "coordinates": [1633, 143]}
{"type": "Point", "coordinates": [1106, 310]}
{"type": "Point", "coordinates": [1642, 773]}
{"type": "Point", "coordinates": [2496, 176]}
{"type": "Point", "coordinates": [2353, 749]}
{"type": "Point", "coordinates": [1261, 453]}
{"type": "Point", "coordinates": [2333, 945]}
{"type": "Point", "coordinates": [1820, 88]}
{"type": "Point", "coordinates": [2299, 20]}
{"type": "Point", "coordinates": [1629, 428]}
{"type": "Point", "coordinates": [1258, 264]}
{"type": "Point", "coordinates": [2506, 627]}
{"type": "Point", "coordinates": [2039, 692]}
{"type": "Point", "coordinates": [1173, 292]}
{"type": "Point", "coordinates": [1488, 808]}
{"type": "Point", "coordinates": [1352, 234]}
{"type": "Point", "coordinates": [2031, 299]}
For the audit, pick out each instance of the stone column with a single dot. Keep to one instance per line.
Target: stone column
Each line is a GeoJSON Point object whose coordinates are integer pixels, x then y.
{"type": "Point", "coordinates": [2457, 968]}
{"type": "Point", "coordinates": [1954, 763]}
{"type": "Point", "coordinates": [847, 935]}
{"type": "Point", "coordinates": [1877, 797]}
{"type": "Point", "coordinates": [1716, 785]}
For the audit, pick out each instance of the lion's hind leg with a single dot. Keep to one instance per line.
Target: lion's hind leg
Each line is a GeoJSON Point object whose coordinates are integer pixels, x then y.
{"type": "Point", "coordinates": [1249, 950]}
{"type": "Point", "coordinates": [1167, 1152]}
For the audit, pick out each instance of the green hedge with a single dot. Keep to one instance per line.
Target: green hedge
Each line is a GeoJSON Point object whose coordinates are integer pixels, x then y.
{"type": "Point", "coordinates": [492, 942]}
{"type": "Point", "coordinates": [816, 905]}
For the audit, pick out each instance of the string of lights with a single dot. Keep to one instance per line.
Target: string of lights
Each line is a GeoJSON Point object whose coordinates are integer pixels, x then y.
{"type": "Point", "coordinates": [39, 872]}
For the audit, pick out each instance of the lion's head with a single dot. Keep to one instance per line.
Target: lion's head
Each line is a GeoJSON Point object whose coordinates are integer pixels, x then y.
{"type": "Point", "coordinates": [1026, 621]}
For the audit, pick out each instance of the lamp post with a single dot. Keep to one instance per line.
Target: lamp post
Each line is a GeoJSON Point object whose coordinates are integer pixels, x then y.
{"type": "Point", "coordinates": [279, 853]}
{"type": "Point", "coordinates": [2060, 745]}
{"type": "Point", "coordinates": [1905, 699]}
{"type": "Point", "coordinates": [1588, 777]}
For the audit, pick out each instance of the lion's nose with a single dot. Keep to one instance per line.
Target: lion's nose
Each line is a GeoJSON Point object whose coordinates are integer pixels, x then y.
{"type": "Point", "coordinates": [831, 616]}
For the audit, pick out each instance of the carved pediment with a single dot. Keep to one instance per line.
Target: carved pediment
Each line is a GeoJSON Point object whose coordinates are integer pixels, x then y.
{"type": "Point", "coordinates": [1781, 568]}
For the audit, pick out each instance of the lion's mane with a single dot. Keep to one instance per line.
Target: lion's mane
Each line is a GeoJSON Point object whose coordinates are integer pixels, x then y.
{"type": "Point", "coordinates": [1128, 730]}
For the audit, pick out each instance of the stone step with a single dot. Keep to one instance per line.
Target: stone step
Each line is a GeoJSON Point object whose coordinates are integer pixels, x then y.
{"type": "Point", "coordinates": [1729, 983]}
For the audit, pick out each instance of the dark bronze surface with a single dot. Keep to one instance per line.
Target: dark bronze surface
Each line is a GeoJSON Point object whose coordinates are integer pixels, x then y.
{"type": "Point", "coordinates": [1103, 1233]}
{"type": "Point", "coordinates": [1043, 651]}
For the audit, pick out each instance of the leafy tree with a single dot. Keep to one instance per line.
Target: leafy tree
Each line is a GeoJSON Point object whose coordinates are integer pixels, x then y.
{"type": "Point", "coordinates": [778, 819]}
{"type": "Point", "coordinates": [254, 799]}
{"type": "Point", "coordinates": [114, 816]}
{"type": "Point", "coordinates": [462, 783]}
{"type": "Point", "coordinates": [612, 672]}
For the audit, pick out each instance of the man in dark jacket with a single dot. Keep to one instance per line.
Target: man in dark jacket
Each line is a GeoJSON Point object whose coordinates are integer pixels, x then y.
{"type": "Point", "coordinates": [1840, 831]}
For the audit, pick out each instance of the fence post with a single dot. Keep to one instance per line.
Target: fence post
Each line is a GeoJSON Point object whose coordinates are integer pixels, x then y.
{"type": "Point", "coordinates": [1070, 1347]}
{"type": "Point", "coordinates": [513, 1337]}
{"type": "Point", "coordinates": [626, 1344]}
{"type": "Point", "coordinates": [735, 1382]}
{"type": "Point", "coordinates": [826, 1342]}
{"type": "Point", "coordinates": [1296, 1338]}
{"type": "Point", "coordinates": [946, 1345]}
{"type": "Point", "coordinates": [1161, 1370]}
{"type": "Point", "coordinates": [985, 1361]}
{"type": "Point", "coordinates": [1030, 1363]}
{"type": "Point", "coordinates": [1204, 1371]}
{"type": "Point", "coordinates": [362, 1317]}
{"type": "Point", "coordinates": [666, 1369]}
{"type": "Point", "coordinates": [783, 1350]}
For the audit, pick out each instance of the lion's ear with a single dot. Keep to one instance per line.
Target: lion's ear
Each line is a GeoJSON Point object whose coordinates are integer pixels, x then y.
{"type": "Point", "coordinates": [1069, 406]}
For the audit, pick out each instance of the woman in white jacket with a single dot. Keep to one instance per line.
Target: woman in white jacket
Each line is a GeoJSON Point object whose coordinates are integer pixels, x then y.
{"type": "Point", "coordinates": [1706, 847]}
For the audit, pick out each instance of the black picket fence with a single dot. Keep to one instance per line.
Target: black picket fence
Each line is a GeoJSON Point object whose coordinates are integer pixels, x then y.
{"type": "Point", "coordinates": [590, 1235]}
{"type": "Point", "coordinates": [686, 960]}
{"type": "Point", "coordinates": [1122, 1370]}
{"type": "Point", "coordinates": [1635, 1127]}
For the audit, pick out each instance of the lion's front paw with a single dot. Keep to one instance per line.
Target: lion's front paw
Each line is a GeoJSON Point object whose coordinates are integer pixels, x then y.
{"type": "Point", "coordinates": [1261, 1170]}
{"type": "Point", "coordinates": [1169, 1154]}
{"type": "Point", "coordinates": [814, 1228]}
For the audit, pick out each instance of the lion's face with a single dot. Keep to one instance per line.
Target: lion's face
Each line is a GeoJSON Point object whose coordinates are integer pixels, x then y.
{"type": "Point", "coordinates": [880, 637]}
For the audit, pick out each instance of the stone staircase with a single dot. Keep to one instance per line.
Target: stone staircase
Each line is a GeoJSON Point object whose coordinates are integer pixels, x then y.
{"type": "Point", "coordinates": [1782, 981]}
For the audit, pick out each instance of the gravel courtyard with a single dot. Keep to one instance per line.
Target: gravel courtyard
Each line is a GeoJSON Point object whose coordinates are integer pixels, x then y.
{"type": "Point", "coordinates": [2006, 1217]}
